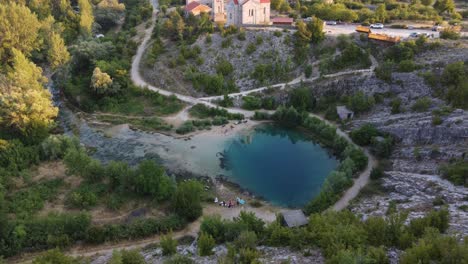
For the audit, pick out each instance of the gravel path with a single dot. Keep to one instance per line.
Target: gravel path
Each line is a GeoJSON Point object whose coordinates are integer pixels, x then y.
{"type": "Point", "coordinates": [136, 77]}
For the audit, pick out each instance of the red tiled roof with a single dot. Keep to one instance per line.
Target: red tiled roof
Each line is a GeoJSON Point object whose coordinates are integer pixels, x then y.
{"type": "Point", "coordinates": [191, 6]}
{"type": "Point", "coordinates": [236, 2]}
{"type": "Point", "coordinates": [264, 1]}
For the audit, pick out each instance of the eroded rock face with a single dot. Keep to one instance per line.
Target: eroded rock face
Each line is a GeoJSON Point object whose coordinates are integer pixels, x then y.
{"type": "Point", "coordinates": [413, 180]}
{"type": "Point", "coordinates": [267, 255]}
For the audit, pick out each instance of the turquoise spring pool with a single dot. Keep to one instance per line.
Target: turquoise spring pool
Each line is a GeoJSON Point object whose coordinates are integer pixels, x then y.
{"type": "Point", "coordinates": [283, 166]}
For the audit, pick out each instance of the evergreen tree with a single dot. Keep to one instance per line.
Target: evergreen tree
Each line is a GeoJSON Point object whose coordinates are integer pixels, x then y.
{"type": "Point", "coordinates": [86, 17]}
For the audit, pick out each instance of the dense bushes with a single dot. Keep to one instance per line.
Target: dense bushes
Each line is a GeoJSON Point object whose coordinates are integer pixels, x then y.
{"type": "Point", "coordinates": [456, 172]}
{"type": "Point", "coordinates": [341, 236]}
{"type": "Point", "coordinates": [254, 103]}
{"type": "Point", "coordinates": [274, 72]}
{"type": "Point", "coordinates": [138, 228]}
{"type": "Point", "coordinates": [352, 55]}
{"type": "Point", "coordinates": [38, 233]}
{"type": "Point", "coordinates": [147, 180]}
{"type": "Point", "coordinates": [28, 201]}
{"type": "Point", "coordinates": [210, 84]}
{"type": "Point", "coordinates": [381, 143]}
{"type": "Point", "coordinates": [203, 111]}
{"type": "Point", "coordinates": [187, 200]}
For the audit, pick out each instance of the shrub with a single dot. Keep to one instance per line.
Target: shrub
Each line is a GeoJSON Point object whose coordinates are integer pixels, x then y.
{"type": "Point", "coordinates": [376, 173]}
{"type": "Point", "coordinates": [436, 120]}
{"type": "Point", "coordinates": [54, 256]}
{"type": "Point", "coordinates": [168, 245]}
{"type": "Point", "coordinates": [246, 240]}
{"type": "Point", "coordinates": [131, 257]}
{"type": "Point", "coordinates": [83, 198]}
{"type": "Point", "coordinates": [214, 226]}
{"type": "Point", "coordinates": [76, 160]}
{"type": "Point", "coordinates": [449, 34]}
{"type": "Point", "coordinates": [185, 128]}
{"type": "Point", "coordinates": [407, 66]}
{"type": "Point", "coordinates": [422, 104]}
{"type": "Point", "coordinates": [248, 255]}
{"type": "Point", "coordinates": [205, 244]}
{"type": "Point", "coordinates": [261, 116]}
{"type": "Point", "coordinates": [456, 172]}
{"type": "Point", "coordinates": [15, 157]}
{"type": "Point", "coordinates": [384, 71]}
{"type": "Point", "coordinates": [178, 259]}
{"type": "Point", "coordinates": [360, 103]}
{"type": "Point", "coordinates": [396, 106]}
{"type": "Point", "coordinates": [226, 43]}
{"type": "Point", "coordinates": [251, 48]}
{"type": "Point", "coordinates": [302, 99]}
{"type": "Point", "coordinates": [187, 200]}
{"type": "Point", "coordinates": [288, 117]}
{"type": "Point", "coordinates": [308, 71]}
{"type": "Point", "coordinates": [224, 67]}
{"type": "Point", "coordinates": [241, 35]}
{"type": "Point", "coordinates": [363, 135]}
{"type": "Point", "coordinates": [56, 146]}
{"type": "Point", "coordinates": [251, 102]}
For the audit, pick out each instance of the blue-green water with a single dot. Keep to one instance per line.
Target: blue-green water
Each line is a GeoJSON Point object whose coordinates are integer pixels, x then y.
{"type": "Point", "coordinates": [283, 166]}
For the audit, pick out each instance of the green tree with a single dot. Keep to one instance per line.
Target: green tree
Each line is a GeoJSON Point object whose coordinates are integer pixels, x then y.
{"type": "Point", "coordinates": [101, 82]}
{"type": "Point", "coordinates": [427, 2]}
{"type": "Point", "coordinates": [26, 105]}
{"type": "Point", "coordinates": [187, 200]}
{"type": "Point", "coordinates": [57, 54]}
{"type": "Point", "coordinates": [444, 5]}
{"type": "Point", "coordinates": [168, 245]}
{"type": "Point", "coordinates": [86, 17]}
{"type": "Point", "coordinates": [54, 257]}
{"type": "Point", "coordinates": [303, 34]}
{"type": "Point", "coordinates": [455, 78]}
{"type": "Point", "coordinates": [363, 135]}
{"type": "Point", "coordinates": [151, 179]}
{"type": "Point", "coordinates": [315, 26]}
{"type": "Point", "coordinates": [302, 99]}
{"type": "Point", "coordinates": [381, 13]}
{"type": "Point", "coordinates": [205, 244]}
{"type": "Point", "coordinates": [108, 13]}
{"type": "Point", "coordinates": [18, 30]}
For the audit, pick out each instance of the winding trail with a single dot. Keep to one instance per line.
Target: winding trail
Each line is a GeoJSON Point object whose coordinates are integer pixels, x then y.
{"type": "Point", "coordinates": [193, 228]}
{"type": "Point", "coordinates": [138, 80]}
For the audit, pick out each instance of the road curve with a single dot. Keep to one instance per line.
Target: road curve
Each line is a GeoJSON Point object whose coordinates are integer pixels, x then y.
{"type": "Point", "coordinates": [137, 79]}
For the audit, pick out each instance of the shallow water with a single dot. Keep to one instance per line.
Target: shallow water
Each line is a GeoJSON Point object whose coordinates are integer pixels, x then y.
{"type": "Point", "coordinates": [283, 166]}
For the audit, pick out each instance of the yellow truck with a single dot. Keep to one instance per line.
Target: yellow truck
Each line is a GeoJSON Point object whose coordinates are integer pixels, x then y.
{"type": "Point", "coordinates": [363, 29]}
{"type": "Point", "coordinates": [383, 37]}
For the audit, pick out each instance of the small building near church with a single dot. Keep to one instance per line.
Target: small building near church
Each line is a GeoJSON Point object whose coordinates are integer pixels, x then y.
{"type": "Point", "coordinates": [344, 113]}
{"type": "Point", "coordinates": [294, 218]}
{"type": "Point", "coordinates": [195, 8]}
{"type": "Point", "coordinates": [282, 21]}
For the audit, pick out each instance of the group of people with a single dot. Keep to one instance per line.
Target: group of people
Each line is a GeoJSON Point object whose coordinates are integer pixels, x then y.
{"type": "Point", "coordinates": [230, 203]}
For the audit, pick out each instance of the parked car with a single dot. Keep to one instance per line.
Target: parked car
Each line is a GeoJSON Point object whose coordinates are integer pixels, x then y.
{"type": "Point", "coordinates": [436, 28]}
{"type": "Point", "coordinates": [414, 35]}
{"type": "Point", "coordinates": [331, 23]}
{"type": "Point", "coordinates": [377, 25]}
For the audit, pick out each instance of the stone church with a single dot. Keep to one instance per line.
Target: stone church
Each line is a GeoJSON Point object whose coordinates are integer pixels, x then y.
{"type": "Point", "coordinates": [232, 12]}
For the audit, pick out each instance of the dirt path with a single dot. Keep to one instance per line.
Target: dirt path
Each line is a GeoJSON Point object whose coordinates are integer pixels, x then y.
{"type": "Point", "coordinates": [266, 213]}
{"type": "Point", "coordinates": [360, 182]}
